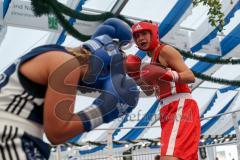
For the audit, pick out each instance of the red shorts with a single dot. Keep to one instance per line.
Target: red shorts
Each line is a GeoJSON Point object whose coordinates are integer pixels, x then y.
{"type": "Point", "coordinates": [180, 123]}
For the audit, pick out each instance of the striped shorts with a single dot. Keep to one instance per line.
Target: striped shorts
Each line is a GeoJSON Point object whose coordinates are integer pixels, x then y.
{"type": "Point", "coordinates": [180, 123]}
{"type": "Point", "coordinates": [18, 145]}
{"type": "Point", "coordinates": [21, 139]}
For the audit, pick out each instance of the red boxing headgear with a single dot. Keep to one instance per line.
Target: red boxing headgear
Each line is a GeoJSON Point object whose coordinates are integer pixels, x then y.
{"type": "Point", "coordinates": [152, 28]}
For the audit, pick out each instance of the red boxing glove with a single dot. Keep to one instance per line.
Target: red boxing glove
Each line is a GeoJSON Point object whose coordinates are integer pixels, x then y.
{"type": "Point", "coordinates": [132, 65]}
{"type": "Point", "coordinates": [152, 73]}
{"type": "Point", "coordinates": [171, 76]}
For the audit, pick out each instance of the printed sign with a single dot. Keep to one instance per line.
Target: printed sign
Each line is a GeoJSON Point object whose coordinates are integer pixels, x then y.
{"type": "Point", "coordinates": [20, 14]}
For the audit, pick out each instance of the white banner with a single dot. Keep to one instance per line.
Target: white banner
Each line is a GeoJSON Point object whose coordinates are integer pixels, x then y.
{"type": "Point", "coordinates": [86, 27]}
{"type": "Point", "coordinates": [20, 14]}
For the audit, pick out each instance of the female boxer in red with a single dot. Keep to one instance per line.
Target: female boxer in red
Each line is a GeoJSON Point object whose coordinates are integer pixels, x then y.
{"type": "Point", "coordinates": [168, 76]}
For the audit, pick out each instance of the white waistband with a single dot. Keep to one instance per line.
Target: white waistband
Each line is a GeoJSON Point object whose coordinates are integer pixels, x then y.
{"type": "Point", "coordinates": [30, 127]}
{"type": "Point", "coordinates": [175, 97]}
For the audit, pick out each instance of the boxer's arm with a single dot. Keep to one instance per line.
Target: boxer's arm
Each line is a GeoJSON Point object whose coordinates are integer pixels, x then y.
{"type": "Point", "coordinates": [60, 123]}
{"type": "Point", "coordinates": [175, 61]}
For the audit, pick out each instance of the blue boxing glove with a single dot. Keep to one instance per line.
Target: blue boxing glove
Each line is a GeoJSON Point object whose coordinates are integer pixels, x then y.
{"type": "Point", "coordinates": [127, 95]}
{"type": "Point", "coordinates": [116, 29]}
{"type": "Point", "coordinates": [119, 97]}
{"type": "Point", "coordinates": [102, 49]}
{"type": "Point", "coordinates": [92, 116]}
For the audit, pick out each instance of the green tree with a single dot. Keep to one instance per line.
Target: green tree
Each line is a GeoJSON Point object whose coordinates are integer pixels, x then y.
{"type": "Point", "coordinates": [216, 17]}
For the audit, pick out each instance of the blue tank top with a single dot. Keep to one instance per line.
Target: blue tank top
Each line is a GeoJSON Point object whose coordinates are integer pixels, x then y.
{"type": "Point", "coordinates": [28, 93]}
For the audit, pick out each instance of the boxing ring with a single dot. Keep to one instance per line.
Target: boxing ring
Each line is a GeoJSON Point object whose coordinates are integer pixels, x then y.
{"type": "Point", "coordinates": [131, 144]}
{"type": "Point", "coordinates": [145, 149]}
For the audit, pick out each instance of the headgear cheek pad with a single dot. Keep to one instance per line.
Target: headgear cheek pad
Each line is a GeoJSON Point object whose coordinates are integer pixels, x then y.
{"type": "Point", "coordinates": [116, 29]}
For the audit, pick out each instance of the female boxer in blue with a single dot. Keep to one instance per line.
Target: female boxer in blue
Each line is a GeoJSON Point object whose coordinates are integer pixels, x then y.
{"type": "Point", "coordinates": [38, 91]}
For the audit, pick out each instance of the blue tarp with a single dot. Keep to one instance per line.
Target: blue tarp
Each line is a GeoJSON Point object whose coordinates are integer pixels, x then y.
{"type": "Point", "coordinates": [213, 34]}
{"type": "Point", "coordinates": [5, 6]}
{"type": "Point", "coordinates": [212, 121]}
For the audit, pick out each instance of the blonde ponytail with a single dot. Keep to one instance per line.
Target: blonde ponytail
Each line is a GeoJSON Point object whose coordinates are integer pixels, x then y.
{"type": "Point", "coordinates": [80, 52]}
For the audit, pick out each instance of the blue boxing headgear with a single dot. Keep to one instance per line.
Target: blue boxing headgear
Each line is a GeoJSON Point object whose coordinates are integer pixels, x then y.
{"type": "Point", "coordinates": [114, 28]}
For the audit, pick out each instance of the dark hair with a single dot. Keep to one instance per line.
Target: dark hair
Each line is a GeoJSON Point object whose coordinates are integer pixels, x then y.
{"type": "Point", "coordinates": [149, 21]}
{"type": "Point", "coordinates": [157, 157]}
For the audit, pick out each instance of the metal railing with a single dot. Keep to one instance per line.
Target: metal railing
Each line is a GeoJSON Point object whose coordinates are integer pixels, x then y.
{"type": "Point", "coordinates": [110, 153]}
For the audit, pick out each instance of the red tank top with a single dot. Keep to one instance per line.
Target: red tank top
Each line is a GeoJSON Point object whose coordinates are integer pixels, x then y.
{"type": "Point", "coordinates": [165, 89]}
